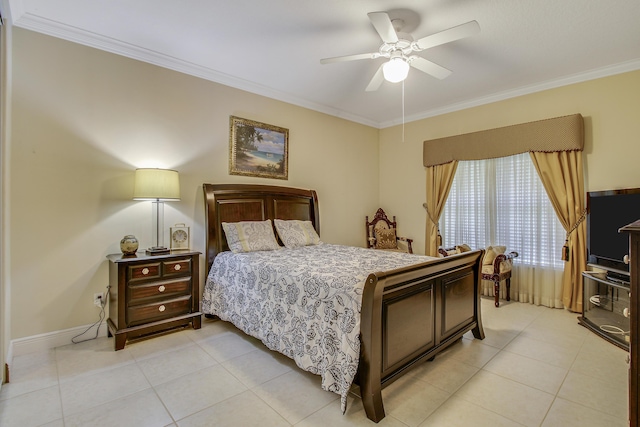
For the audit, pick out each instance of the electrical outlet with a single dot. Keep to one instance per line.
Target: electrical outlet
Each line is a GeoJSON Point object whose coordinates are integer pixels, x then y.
{"type": "Point", "coordinates": [98, 299]}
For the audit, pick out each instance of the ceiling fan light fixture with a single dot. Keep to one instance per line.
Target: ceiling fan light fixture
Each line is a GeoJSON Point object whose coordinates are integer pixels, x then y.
{"type": "Point", "coordinates": [396, 70]}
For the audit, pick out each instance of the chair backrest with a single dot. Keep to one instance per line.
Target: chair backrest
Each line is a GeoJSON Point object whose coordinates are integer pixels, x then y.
{"type": "Point", "coordinates": [380, 220]}
{"type": "Point", "coordinates": [445, 252]}
{"type": "Point", "coordinates": [458, 249]}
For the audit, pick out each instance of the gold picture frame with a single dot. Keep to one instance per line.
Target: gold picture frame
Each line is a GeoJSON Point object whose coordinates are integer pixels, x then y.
{"type": "Point", "coordinates": [258, 149]}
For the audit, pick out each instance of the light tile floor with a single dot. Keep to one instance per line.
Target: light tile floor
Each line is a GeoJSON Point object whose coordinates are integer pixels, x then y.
{"type": "Point", "coordinates": [536, 367]}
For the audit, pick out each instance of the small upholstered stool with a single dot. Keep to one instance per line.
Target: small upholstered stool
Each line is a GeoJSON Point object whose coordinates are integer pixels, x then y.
{"type": "Point", "coordinates": [496, 267]}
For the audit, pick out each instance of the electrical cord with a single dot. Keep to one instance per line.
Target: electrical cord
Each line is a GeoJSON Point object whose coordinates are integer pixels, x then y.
{"type": "Point", "coordinates": [99, 322]}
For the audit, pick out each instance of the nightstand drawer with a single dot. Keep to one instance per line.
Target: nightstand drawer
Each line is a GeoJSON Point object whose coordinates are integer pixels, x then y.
{"type": "Point", "coordinates": [140, 293]}
{"type": "Point", "coordinates": [144, 271]}
{"type": "Point", "coordinates": [176, 267]}
{"type": "Point", "coordinates": [146, 313]}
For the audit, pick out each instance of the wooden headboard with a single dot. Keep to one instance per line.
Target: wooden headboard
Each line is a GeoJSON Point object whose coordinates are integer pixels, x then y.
{"type": "Point", "coordinates": [248, 202]}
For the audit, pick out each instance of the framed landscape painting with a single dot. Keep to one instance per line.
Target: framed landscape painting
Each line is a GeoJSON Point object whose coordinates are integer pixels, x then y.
{"type": "Point", "coordinates": [258, 149]}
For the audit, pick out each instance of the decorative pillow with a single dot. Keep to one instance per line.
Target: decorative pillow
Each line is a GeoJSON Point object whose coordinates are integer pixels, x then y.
{"type": "Point", "coordinates": [499, 249]}
{"type": "Point", "coordinates": [386, 238]}
{"type": "Point", "coordinates": [463, 248]}
{"type": "Point", "coordinates": [250, 236]}
{"type": "Point", "coordinates": [295, 233]}
{"type": "Point", "coordinates": [489, 256]}
{"type": "Point", "coordinates": [491, 253]}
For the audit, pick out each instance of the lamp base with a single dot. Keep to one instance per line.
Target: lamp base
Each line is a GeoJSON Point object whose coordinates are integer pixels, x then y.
{"type": "Point", "coordinates": [157, 250]}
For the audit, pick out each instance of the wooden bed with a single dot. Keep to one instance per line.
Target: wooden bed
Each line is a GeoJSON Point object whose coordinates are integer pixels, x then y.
{"type": "Point", "coordinates": [408, 315]}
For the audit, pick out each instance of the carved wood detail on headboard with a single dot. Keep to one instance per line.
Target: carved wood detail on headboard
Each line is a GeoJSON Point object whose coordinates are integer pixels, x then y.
{"type": "Point", "coordinates": [248, 202]}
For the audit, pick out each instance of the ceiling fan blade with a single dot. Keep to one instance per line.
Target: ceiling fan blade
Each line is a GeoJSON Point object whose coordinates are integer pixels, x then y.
{"type": "Point", "coordinates": [382, 23]}
{"type": "Point", "coordinates": [376, 81]}
{"type": "Point", "coordinates": [356, 57]}
{"type": "Point", "coordinates": [446, 36]}
{"type": "Point", "coordinates": [429, 67]}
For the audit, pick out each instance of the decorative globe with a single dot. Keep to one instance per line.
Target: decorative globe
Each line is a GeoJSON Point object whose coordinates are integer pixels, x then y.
{"type": "Point", "coordinates": [129, 244]}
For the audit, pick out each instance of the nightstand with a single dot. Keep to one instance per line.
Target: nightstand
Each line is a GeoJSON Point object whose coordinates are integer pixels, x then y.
{"type": "Point", "coordinates": [151, 294]}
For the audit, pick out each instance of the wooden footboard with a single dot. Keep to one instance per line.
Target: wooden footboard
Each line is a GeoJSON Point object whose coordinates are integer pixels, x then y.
{"type": "Point", "coordinates": [411, 314]}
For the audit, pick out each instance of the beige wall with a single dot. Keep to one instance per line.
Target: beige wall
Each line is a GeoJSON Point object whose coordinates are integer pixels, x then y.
{"type": "Point", "coordinates": [610, 107]}
{"type": "Point", "coordinates": [84, 119]}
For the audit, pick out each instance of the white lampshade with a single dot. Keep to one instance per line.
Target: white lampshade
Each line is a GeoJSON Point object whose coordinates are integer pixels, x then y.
{"type": "Point", "coordinates": [396, 70]}
{"type": "Point", "coordinates": [156, 184]}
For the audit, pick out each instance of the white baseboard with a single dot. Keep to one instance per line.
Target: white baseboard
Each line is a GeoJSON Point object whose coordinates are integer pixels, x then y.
{"type": "Point", "coordinates": [50, 340]}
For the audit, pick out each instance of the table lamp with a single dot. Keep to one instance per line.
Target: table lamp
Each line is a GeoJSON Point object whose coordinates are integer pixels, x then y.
{"type": "Point", "coordinates": [158, 185]}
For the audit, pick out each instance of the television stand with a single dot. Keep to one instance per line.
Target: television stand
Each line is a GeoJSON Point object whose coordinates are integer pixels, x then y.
{"type": "Point", "coordinates": [605, 307]}
{"type": "Point", "coordinates": [619, 278]}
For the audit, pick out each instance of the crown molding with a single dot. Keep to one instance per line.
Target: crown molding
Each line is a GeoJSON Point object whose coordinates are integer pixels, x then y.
{"type": "Point", "coordinates": [526, 90]}
{"type": "Point", "coordinates": [55, 29]}
{"type": "Point", "coordinates": [77, 35]}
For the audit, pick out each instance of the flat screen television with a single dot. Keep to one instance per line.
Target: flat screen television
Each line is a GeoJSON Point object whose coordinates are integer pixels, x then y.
{"type": "Point", "coordinates": [607, 212]}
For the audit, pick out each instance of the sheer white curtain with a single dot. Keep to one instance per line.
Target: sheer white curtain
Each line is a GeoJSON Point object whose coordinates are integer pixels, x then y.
{"type": "Point", "coordinates": [502, 202]}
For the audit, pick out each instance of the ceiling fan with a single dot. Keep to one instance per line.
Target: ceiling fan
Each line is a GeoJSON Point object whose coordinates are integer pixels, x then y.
{"type": "Point", "coordinates": [399, 48]}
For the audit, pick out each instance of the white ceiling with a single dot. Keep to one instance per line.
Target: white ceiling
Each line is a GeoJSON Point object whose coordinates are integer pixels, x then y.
{"type": "Point", "coordinates": [274, 47]}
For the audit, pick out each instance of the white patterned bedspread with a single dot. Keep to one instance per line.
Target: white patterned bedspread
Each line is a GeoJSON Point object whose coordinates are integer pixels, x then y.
{"type": "Point", "coordinates": [303, 302]}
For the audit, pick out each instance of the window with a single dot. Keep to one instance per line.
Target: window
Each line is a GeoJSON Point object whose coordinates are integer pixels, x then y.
{"type": "Point", "coordinates": [502, 202]}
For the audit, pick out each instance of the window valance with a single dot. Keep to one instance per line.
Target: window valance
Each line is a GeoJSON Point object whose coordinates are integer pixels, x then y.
{"type": "Point", "coordinates": [557, 134]}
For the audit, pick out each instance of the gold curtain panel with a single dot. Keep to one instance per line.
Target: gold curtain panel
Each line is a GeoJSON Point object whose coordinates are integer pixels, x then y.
{"type": "Point", "coordinates": [558, 134]}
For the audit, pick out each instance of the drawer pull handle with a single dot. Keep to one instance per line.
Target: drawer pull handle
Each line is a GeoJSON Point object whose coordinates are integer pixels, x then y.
{"type": "Point", "coordinates": [161, 308]}
{"type": "Point", "coordinates": [145, 271]}
{"type": "Point", "coordinates": [177, 267]}
{"type": "Point", "coordinates": [161, 288]}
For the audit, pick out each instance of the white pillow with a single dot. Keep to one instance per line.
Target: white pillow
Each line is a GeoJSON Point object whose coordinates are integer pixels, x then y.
{"type": "Point", "coordinates": [250, 236]}
{"type": "Point", "coordinates": [295, 233]}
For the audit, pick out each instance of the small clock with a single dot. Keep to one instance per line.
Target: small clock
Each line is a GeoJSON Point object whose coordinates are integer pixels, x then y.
{"type": "Point", "coordinates": [179, 237]}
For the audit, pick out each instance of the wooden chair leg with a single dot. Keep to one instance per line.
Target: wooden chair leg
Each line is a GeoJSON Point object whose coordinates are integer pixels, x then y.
{"type": "Point", "coordinates": [496, 290]}
{"type": "Point", "coordinates": [509, 289]}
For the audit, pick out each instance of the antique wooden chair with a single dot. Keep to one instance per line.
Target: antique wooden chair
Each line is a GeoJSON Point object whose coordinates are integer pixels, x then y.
{"type": "Point", "coordinates": [381, 234]}
{"type": "Point", "coordinates": [496, 266]}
